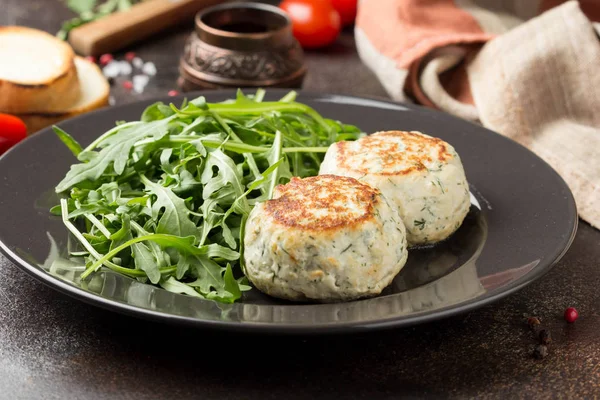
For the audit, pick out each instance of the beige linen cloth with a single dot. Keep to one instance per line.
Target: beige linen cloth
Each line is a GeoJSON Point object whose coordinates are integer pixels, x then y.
{"type": "Point", "coordinates": [528, 69]}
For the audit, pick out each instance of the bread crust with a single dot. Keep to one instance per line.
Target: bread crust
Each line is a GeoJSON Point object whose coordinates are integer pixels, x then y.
{"type": "Point", "coordinates": [53, 94]}
{"type": "Point", "coordinates": [37, 121]}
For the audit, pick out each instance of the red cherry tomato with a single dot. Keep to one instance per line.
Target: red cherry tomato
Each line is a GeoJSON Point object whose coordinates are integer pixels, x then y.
{"type": "Point", "coordinates": [346, 9]}
{"type": "Point", "coordinates": [315, 22]}
{"type": "Point", "coordinates": [12, 131]}
{"type": "Point", "coordinates": [4, 145]}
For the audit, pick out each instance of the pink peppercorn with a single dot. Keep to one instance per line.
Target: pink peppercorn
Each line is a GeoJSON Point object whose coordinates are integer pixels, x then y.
{"type": "Point", "coordinates": [571, 314]}
{"type": "Point", "coordinates": [129, 56]}
{"type": "Point", "coordinates": [172, 93]}
{"type": "Point", "coordinates": [127, 85]}
{"type": "Point", "coordinates": [105, 59]}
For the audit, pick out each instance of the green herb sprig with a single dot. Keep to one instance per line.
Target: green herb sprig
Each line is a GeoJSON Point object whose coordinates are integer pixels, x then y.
{"type": "Point", "coordinates": [91, 10]}
{"type": "Point", "coordinates": [164, 200]}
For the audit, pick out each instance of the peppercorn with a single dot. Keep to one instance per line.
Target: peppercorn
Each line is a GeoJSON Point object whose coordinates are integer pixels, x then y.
{"type": "Point", "coordinates": [545, 337]}
{"type": "Point", "coordinates": [571, 314]}
{"type": "Point", "coordinates": [105, 59]}
{"type": "Point", "coordinates": [540, 351]}
{"type": "Point", "coordinates": [533, 322]}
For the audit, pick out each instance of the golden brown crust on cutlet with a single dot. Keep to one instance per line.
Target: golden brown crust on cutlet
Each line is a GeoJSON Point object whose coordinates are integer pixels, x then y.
{"type": "Point", "coordinates": [414, 155]}
{"type": "Point", "coordinates": [322, 202]}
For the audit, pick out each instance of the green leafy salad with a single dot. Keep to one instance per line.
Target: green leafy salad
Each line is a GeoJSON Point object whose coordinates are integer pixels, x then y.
{"type": "Point", "coordinates": [164, 200]}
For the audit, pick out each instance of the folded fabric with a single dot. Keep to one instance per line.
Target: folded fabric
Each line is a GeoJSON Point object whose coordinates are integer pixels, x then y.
{"type": "Point", "coordinates": [525, 69]}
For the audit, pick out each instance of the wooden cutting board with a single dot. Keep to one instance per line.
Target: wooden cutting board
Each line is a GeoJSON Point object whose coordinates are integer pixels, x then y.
{"type": "Point", "coordinates": [124, 28]}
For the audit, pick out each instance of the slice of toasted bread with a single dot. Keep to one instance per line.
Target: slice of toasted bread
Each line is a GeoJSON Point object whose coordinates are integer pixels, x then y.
{"type": "Point", "coordinates": [94, 94]}
{"type": "Point", "coordinates": [37, 71]}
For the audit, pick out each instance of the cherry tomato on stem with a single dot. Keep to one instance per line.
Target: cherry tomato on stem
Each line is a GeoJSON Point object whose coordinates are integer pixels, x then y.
{"type": "Point", "coordinates": [12, 131]}
{"type": "Point", "coordinates": [346, 9]}
{"type": "Point", "coordinates": [315, 23]}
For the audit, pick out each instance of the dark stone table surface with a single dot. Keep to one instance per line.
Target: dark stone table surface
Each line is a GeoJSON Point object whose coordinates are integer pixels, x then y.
{"type": "Point", "coordinates": [54, 347]}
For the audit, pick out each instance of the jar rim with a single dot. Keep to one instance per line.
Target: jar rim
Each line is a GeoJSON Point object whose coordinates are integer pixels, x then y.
{"type": "Point", "coordinates": [233, 9]}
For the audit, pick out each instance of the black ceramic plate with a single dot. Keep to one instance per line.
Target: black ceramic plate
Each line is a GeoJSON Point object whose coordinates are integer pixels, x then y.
{"type": "Point", "coordinates": [522, 220]}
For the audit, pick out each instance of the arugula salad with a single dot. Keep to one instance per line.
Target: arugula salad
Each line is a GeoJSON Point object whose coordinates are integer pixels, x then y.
{"type": "Point", "coordinates": [164, 200]}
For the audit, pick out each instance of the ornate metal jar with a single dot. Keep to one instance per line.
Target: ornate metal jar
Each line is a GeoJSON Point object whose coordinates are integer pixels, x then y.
{"type": "Point", "coordinates": [241, 45]}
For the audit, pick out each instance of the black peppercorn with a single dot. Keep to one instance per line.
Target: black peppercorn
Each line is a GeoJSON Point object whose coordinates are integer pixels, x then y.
{"type": "Point", "coordinates": [545, 337]}
{"type": "Point", "coordinates": [540, 351]}
{"type": "Point", "coordinates": [533, 322]}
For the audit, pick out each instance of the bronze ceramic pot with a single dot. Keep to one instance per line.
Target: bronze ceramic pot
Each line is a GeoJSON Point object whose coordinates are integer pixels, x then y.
{"type": "Point", "coordinates": [241, 45]}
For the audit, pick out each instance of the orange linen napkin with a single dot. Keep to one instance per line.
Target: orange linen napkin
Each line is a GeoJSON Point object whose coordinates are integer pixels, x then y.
{"type": "Point", "coordinates": [529, 70]}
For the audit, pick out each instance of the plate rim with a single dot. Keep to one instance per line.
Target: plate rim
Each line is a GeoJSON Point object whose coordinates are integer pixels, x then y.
{"type": "Point", "coordinates": [286, 327]}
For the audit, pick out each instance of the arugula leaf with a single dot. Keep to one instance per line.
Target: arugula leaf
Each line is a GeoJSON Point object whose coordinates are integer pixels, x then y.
{"type": "Point", "coordinates": [91, 171]}
{"type": "Point", "coordinates": [228, 174]}
{"type": "Point", "coordinates": [117, 152]}
{"type": "Point", "coordinates": [68, 140]}
{"type": "Point", "coordinates": [231, 290]}
{"type": "Point", "coordinates": [123, 235]}
{"type": "Point", "coordinates": [156, 112]}
{"type": "Point", "coordinates": [144, 260]}
{"type": "Point", "coordinates": [175, 286]}
{"type": "Point", "coordinates": [210, 280]}
{"type": "Point", "coordinates": [209, 218]}
{"type": "Point", "coordinates": [274, 156]}
{"type": "Point", "coordinates": [183, 265]}
{"type": "Point", "coordinates": [175, 218]}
